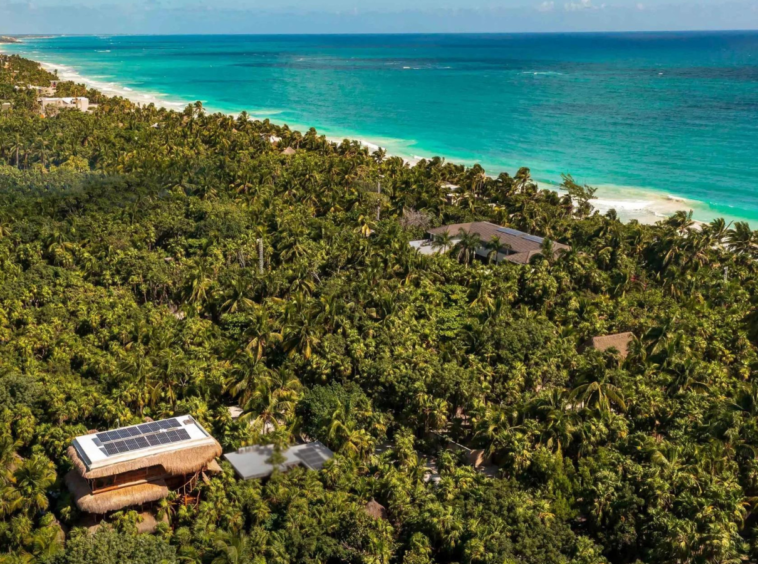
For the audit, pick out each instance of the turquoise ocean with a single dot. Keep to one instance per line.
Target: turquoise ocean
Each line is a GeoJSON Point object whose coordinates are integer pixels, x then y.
{"type": "Point", "coordinates": [658, 121]}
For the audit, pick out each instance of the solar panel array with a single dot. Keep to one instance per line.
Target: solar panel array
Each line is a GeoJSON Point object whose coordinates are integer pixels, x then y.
{"type": "Point", "coordinates": [312, 457]}
{"type": "Point", "coordinates": [515, 233]}
{"type": "Point", "coordinates": [141, 436]}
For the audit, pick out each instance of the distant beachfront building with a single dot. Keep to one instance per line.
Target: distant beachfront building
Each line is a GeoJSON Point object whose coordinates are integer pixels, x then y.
{"type": "Point", "coordinates": [516, 246]}
{"type": "Point", "coordinates": [43, 90]}
{"type": "Point", "coordinates": [55, 104]}
{"type": "Point", "coordinates": [139, 464]}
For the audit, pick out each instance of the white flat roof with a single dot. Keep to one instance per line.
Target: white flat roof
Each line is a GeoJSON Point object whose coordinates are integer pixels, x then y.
{"type": "Point", "coordinates": [253, 462]}
{"type": "Point", "coordinates": [65, 100]}
{"type": "Point", "coordinates": [136, 441]}
{"type": "Point", "coordinates": [425, 246]}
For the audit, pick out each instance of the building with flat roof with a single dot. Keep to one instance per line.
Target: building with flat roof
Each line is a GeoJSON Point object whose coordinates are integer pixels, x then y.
{"type": "Point", "coordinates": [254, 462]}
{"type": "Point", "coordinates": [139, 464]}
{"type": "Point", "coordinates": [517, 247]}
{"type": "Point", "coordinates": [71, 103]}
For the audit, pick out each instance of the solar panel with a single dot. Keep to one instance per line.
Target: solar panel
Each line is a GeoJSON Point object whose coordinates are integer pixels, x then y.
{"type": "Point", "coordinates": [141, 436]}
{"type": "Point", "coordinates": [312, 458]}
{"type": "Point", "coordinates": [522, 235]}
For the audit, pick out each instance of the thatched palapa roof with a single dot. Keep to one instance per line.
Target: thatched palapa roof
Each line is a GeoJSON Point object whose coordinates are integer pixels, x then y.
{"type": "Point", "coordinates": [376, 510]}
{"type": "Point", "coordinates": [177, 462]}
{"type": "Point", "coordinates": [619, 341]}
{"type": "Point", "coordinates": [114, 500]}
{"type": "Point", "coordinates": [179, 444]}
{"type": "Point", "coordinates": [214, 467]}
{"type": "Point", "coordinates": [149, 522]}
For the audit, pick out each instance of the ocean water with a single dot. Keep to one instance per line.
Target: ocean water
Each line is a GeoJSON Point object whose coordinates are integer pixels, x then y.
{"type": "Point", "coordinates": [658, 121]}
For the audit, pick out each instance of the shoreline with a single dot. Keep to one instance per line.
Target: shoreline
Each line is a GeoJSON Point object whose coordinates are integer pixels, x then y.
{"type": "Point", "coordinates": [631, 203]}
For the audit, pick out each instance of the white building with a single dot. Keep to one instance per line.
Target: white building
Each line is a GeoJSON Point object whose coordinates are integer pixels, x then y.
{"type": "Point", "coordinates": [81, 104]}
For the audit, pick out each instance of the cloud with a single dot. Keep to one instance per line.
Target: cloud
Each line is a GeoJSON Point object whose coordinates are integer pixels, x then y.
{"type": "Point", "coordinates": [546, 7]}
{"type": "Point", "coordinates": [582, 6]}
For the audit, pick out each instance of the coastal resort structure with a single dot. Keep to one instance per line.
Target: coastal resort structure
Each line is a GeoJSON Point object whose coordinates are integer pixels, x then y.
{"type": "Point", "coordinates": [451, 195]}
{"type": "Point", "coordinates": [136, 465]}
{"type": "Point", "coordinates": [619, 342]}
{"type": "Point", "coordinates": [517, 247]}
{"type": "Point", "coordinates": [255, 462]}
{"type": "Point", "coordinates": [289, 151]}
{"type": "Point", "coordinates": [44, 90]}
{"type": "Point", "coordinates": [52, 105]}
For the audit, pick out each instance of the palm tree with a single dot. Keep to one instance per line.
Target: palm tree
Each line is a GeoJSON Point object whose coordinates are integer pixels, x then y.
{"type": "Point", "coordinates": [301, 335]}
{"type": "Point", "coordinates": [271, 404]}
{"type": "Point", "coordinates": [231, 548]}
{"type": "Point", "coordinates": [598, 392]}
{"type": "Point", "coordinates": [547, 250]}
{"type": "Point", "coordinates": [559, 424]}
{"type": "Point", "coordinates": [199, 285]}
{"type": "Point", "coordinates": [32, 479]}
{"type": "Point", "coordinates": [48, 542]}
{"type": "Point", "coordinates": [495, 246]}
{"type": "Point", "coordinates": [443, 241]}
{"type": "Point", "coordinates": [468, 244]}
{"type": "Point", "coordinates": [741, 238]}
{"type": "Point", "coordinates": [718, 230]}
{"type": "Point", "coordinates": [260, 333]}
{"type": "Point", "coordinates": [434, 411]}
{"type": "Point", "coordinates": [522, 179]}
{"type": "Point", "coordinates": [681, 222]}
{"type": "Point", "coordinates": [499, 427]}
{"type": "Point", "coordinates": [237, 297]}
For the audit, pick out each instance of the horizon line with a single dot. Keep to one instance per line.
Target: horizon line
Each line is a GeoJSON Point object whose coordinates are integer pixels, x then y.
{"type": "Point", "coordinates": [426, 33]}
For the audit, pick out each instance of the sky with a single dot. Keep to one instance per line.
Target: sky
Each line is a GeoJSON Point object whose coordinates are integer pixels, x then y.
{"type": "Point", "coordinates": [385, 16]}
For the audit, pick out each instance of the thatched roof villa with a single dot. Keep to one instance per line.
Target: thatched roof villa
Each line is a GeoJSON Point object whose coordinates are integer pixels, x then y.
{"type": "Point", "coordinates": [139, 464]}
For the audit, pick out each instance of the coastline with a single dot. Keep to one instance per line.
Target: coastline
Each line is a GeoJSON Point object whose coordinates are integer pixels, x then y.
{"type": "Point", "coordinates": [631, 203]}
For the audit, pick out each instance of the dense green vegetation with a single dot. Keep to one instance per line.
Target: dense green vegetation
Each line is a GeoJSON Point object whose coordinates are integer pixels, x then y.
{"type": "Point", "coordinates": [130, 287]}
